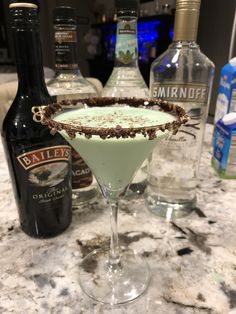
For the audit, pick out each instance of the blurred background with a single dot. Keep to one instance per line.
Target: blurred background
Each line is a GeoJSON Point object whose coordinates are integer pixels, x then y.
{"type": "Point", "coordinates": [97, 28]}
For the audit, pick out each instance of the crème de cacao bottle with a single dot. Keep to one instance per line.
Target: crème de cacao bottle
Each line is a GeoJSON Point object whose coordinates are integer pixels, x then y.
{"type": "Point", "coordinates": [69, 83]}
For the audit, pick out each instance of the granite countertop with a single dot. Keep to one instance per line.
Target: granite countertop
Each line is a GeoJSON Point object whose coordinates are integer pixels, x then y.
{"type": "Point", "coordinates": [193, 260]}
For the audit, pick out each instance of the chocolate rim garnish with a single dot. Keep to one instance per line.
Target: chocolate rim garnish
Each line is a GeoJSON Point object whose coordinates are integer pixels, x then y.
{"type": "Point", "coordinates": [44, 115]}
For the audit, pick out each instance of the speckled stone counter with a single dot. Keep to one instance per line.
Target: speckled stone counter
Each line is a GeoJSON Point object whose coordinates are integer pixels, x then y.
{"type": "Point", "coordinates": [192, 261]}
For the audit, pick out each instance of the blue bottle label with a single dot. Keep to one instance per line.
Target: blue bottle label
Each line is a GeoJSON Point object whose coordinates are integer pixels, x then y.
{"type": "Point", "coordinates": [224, 151]}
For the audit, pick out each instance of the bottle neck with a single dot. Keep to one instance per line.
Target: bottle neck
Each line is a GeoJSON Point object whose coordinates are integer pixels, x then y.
{"type": "Point", "coordinates": [186, 24]}
{"type": "Point", "coordinates": [184, 44]}
{"type": "Point", "coordinates": [29, 60]}
{"type": "Point", "coordinates": [126, 52]}
{"type": "Point", "coordinates": [66, 54]}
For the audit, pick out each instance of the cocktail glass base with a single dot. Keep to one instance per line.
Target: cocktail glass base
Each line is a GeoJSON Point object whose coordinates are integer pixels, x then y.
{"type": "Point", "coordinates": [169, 210]}
{"type": "Point", "coordinates": [114, 285]}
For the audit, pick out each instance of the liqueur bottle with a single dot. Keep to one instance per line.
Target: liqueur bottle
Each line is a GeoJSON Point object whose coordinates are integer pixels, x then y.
{"type": "Point", "coordinates": [183, 75]}
{"type": "Point", "coordinates": [39, 162]}
{"type": "Point", "coordinates": [70, 84]}
{"type": "Point", "coordinates": [126, 79]}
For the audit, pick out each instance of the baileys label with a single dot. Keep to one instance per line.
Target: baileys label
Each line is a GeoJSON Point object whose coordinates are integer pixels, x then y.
{"type": "Point", "coordinates": [44, 155]}
{"type": "Point", "coordinates": [47, 173]}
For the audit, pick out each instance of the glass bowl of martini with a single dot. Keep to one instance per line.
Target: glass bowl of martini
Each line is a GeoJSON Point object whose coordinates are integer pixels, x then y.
{"type": "Point", "coordinates": [114, 136]}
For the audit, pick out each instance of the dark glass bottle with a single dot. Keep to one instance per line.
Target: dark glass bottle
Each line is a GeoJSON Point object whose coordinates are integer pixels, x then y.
{"type": "Point", "coordinates": [39, 163]}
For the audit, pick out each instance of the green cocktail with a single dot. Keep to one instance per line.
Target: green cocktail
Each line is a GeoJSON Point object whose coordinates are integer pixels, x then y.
{"type": "Point", "coordinates": [114, 161]}
{"type": "Point", "coordinates": [114, 141]}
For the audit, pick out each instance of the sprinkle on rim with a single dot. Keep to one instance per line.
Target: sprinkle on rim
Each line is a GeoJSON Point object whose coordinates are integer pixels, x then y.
{"type": "Point", "coordinates": [45, 115]}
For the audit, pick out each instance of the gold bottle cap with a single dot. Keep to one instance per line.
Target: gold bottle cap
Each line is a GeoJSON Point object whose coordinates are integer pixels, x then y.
{"type": "Point", "coordinates": [186, 19]}
{"type": "Point", "coordinates": [23, 5]}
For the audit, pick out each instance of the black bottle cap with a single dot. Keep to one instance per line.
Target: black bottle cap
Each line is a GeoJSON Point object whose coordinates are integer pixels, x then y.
{"type": "Point", "coordinates": [132, 5]}
{"type": "Point", "coordinates": [24, 14]}
{"type": "Point", "coordinates": [64, 15]}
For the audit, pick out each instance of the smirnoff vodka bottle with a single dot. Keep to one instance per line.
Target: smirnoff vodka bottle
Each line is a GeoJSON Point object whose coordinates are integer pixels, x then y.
{"type": "Point", "coordinates": [183, 75]}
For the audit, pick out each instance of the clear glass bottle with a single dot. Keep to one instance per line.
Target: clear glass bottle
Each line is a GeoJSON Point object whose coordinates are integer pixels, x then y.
{"type": "Point", "coordinates": [126, 79]}
{"type": "Point", "coordinates": [70, 84]}
{"type": "Point", "coordinates": [183, 75]}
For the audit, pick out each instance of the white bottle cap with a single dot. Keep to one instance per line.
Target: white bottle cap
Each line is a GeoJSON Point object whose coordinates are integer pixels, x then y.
{"type": "Point", "coordinates": [229, 118]}
{"type": "Point", "coordinates": [232, 61]}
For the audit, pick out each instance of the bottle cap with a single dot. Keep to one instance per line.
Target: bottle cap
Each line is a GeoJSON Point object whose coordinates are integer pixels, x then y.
{"type": "Point", "coordinates": [24, 14]}
{"type": "Point", "coordinates": [23, 4]}
{"type": "Point", "coordinates": [188, 4]}
{"type": "Point", "coordinates": [127, 5]}
{"type": "Point", "coordinates": [232, 61]}
{"type": "Point", "coordinates": [229, 118]}
{"type": "Point", "coordinates": [186, 19]}
{"type": "Point", "coordinates": [64, 15]}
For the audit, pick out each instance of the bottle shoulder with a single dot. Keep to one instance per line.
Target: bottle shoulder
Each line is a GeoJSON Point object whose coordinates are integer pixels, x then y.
{"type": "Point", "coordinates": [126, 82]}
{"type": "Point", "coordinates": [19, 122]}
{"type": "Point", "coordinates": [182, 55]}
{"type": "Point", "coordinates": [182, 64]}
{"type": "Point", "coordinates": [23, 103]}
{"type": "Point", "coordinates": [125, 91]}
{"type": "Point", "coordinates": [25, 133]}
{"type": "Point", "coordinates": [70, 84]}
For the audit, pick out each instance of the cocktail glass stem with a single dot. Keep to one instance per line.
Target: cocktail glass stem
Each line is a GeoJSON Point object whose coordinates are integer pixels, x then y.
{"type": "Point", "coordinates": [114, 254]}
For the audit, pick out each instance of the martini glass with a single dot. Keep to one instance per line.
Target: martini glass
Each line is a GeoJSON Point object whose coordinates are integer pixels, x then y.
{"type": "Point", "coordinates": [114, 136]}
